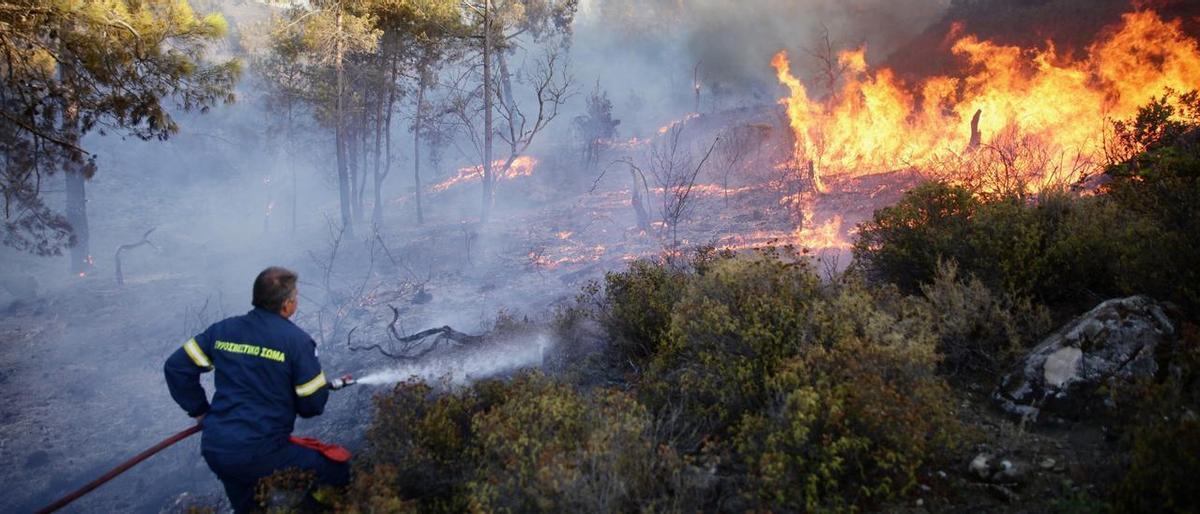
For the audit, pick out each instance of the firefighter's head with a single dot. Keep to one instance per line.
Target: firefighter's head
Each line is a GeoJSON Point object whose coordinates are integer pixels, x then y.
{"type": "Point", "coordinates": [275, 291]}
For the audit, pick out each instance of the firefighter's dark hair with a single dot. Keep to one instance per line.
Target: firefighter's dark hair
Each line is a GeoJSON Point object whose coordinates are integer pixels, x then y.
{"type": "Point", "coordinates": [274, 286]}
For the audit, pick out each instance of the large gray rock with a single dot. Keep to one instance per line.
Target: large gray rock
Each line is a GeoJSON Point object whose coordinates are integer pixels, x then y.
{"type": "Point", "coordinates": [1113, 343]}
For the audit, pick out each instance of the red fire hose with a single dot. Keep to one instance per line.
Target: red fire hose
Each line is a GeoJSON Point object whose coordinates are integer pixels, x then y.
{"type": "Point", "coordinates": [123, 467]}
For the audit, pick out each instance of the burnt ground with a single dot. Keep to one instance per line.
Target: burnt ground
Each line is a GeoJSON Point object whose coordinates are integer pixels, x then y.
{"type": "Point", "coordinates": [81, 364]}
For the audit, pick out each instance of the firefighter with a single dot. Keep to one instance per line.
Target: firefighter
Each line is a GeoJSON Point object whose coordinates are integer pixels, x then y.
{"type": "Point", "coordinates": [267, 373]}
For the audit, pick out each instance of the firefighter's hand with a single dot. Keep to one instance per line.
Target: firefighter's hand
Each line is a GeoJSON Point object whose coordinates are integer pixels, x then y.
{"type": "Point", "coordinates": [200, 419]}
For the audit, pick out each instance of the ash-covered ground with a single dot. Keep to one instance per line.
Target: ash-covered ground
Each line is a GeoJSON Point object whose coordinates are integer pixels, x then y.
{"type": "Point", "coordinates": [81, 360]}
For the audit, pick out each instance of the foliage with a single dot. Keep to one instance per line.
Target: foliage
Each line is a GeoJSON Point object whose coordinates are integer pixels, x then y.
{"type": "Point", "coordinates": [553, 449]}
{"type": "Point", "coordinates": [419, 446]}
{"type": "Point", "coordinates": [1165, 432]}
{"type": "Point", "coordinates": [532, 444]}
{"type": "Point", "coordinates": [69, 68]}
{"type": "Point", "coordinates": [903, 243]}
{"type": "Point", "coordinates": [794, 374]}
{"type": "Point", "coordinates": [1161, 478]}
{"type": "Point", "coordinates": [1139, 237]}
{"type": "Point", "coordinates": [979, 331]}
{"type": "Point", "coordinates": [636, 309]}
{"type": "Point", "coordinates": [848, 427]}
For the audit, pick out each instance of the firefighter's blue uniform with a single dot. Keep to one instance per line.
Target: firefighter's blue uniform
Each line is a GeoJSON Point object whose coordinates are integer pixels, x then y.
{"type": "Point", "coordinates": [267, 373]}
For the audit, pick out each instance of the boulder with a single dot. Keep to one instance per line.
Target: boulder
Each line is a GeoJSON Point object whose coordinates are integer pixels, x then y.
{"type": "Point", "coordinates": [1114, 342]}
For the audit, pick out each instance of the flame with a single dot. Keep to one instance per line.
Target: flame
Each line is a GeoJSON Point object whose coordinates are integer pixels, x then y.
{"type": "Point", "coordinates": [876, 123]}
{"type": "Point", "coordinates": [667, 128]}
{"type": "Point", "coordinates": [823, 236]}
{"type": "Point", "coordinates": [521, 167]}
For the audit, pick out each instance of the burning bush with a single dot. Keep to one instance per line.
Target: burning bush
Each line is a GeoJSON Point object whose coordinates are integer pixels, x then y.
{"type": "Point", "coordinates": [1140, 235]}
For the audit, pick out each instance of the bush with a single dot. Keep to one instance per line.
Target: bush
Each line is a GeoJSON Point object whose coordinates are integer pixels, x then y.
{"type": "Point", "coordinates": [419, 445]}
{"type": "Point", "coordinates": [1162, 474]}
{"type": "Point", "coordinates": [553, 449]}
{"type": "Point", "coordinates": [635, 309]}
{"type": "Point", "coordinates": [728, 333]}
{"type": "Point", "coordinates": [903, 243]}
{"type": "Point", "coordinates": [1141, 235]}
{"type": "Point", "coordinates": [823, 395]}
{"type": "Point", "coordinates": [848, 427]}
{"type": "Point", "coordinates": [979, 332]}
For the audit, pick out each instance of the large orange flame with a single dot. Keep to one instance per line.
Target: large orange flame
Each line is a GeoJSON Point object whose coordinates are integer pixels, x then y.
{"type": "Point", "coordinates": [876, 123]}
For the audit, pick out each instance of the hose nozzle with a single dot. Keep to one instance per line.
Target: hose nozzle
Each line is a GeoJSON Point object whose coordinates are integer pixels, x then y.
{"type": "Point", "coordinates": [338, 383]}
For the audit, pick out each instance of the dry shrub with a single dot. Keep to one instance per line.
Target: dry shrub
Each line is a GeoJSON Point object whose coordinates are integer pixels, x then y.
{"type": "Point", "coordinates": [979, 331]}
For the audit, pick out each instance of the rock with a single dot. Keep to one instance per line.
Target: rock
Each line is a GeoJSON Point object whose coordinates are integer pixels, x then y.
{"type": "Point", "coordinates": [1047, 463]}
{"type": "Point", "coordinates": [1113, 342]}
{"type": "Point", "coordinates": [989, 468]}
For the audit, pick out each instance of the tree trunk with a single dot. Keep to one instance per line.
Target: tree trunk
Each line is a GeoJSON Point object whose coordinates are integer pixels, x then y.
{"type": "Point", "coordinates": [292, 163]}
{"type": "Point", "coordinates": [488, 179]}
{"type": "Point", "coordinates": [81, 257]}
{"type": "Point", "coordinates": [387, 142]}
{"type": "Point", "coordinates": [74, 174]}
{"type": "Point", "coordinates": [361, 146]}
{"type": "Point", "coordinates": [377, 173]}
{"type": "Point", "coordinates": [417, 126]}
{"type": "Point", "coordinates": [353, 140]}
{"type": "Point", "coordinates": [340, 136]}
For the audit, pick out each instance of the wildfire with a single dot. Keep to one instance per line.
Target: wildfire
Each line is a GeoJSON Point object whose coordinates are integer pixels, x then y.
{"type": "Point", "coordinates": [876, 123]}
{"type": "Point", "coordinates": [827, 235]}
{"type": "Point", "coordinates": [521, 167]}
{"type": "Point", "coordinates": [667, 128]}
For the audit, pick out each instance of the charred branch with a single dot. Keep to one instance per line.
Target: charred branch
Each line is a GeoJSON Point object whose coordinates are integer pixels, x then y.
{"type": "Point", "coordinates": [416, 346]}
{"type": "Point", "coordinates": [145, 241]}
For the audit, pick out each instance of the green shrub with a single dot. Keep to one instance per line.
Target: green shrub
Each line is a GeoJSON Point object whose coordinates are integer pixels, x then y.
{"type": "Point", "coordinates": [904, 242]}
{"type": "Point", "coordinates": [847, 427]}
{"type": "Point", "coordinates": [552, 449]}
{"type": "Point", "coordinates": [1162, 474]}
{"type": "Point", "coordinates": [635, 309]}
{"type": "Point", "coordinates": [1140, 235]}
{"type": "Point", "coordinates": [979, 332]}
{"type": "Point", "coordinates": [419, 445]}
{"type": "Point", "coordinates": [728, 333]}
{"type": "Point", "coordinates": [1163, 431]}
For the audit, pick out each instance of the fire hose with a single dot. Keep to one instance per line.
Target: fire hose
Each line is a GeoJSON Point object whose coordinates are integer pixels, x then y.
{"type": "Point", "coordinates": [335, 384]}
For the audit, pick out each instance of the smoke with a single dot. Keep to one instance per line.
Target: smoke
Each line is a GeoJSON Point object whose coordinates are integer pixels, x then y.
{"type": "Point", "coordinates": [464, 368]}
{"type": "Point", "coordinates": [645, 53]}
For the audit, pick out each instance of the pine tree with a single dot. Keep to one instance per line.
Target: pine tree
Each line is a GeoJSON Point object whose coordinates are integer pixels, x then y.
{"type": "Point", "coordinates": [73, 66]}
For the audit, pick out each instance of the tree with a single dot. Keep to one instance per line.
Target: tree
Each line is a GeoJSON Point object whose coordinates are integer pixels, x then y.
{"type": "Point", "coordinates": [71, 67]}
{"type": "Point", "coordinates": [281, 69]}
{"type": "Point", "coordinates": [596, 128]}
{"type": "Point", "coordinates": [500, 26]}
{"type": "Point", "coordinates": [327, 33]}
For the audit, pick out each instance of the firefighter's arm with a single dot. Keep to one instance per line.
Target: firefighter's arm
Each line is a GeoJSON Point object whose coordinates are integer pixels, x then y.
{"type": "Point", "coordinates": [183, 369]}
{"type": "Point", "coordinates": [312, 389]}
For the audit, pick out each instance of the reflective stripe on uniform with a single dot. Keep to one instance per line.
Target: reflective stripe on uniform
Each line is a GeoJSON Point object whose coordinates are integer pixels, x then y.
{"type": "Point", "coordinates": [192, 348]}
{"type": "Point", "coordinates": [311, 386]}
